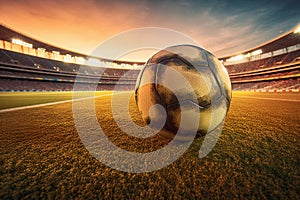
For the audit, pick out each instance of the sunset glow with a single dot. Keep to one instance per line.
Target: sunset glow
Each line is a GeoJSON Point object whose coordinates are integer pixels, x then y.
{"type": "Point", "coordinates": [223, 28]}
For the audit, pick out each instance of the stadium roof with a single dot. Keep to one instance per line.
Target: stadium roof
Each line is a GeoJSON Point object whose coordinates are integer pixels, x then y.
{"type": "Point", "coordinates": [288, 39]}
{"type": "Point", "coordinates": [7, 34]}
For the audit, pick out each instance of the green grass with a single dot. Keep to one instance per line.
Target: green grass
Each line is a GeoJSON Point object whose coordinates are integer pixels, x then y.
{"type": "Point", "coordinates": [19, 99]}
{"type": "Point", "coordinates": [256, 157]}
{"type": "Point", "coordinates": [284, 95]}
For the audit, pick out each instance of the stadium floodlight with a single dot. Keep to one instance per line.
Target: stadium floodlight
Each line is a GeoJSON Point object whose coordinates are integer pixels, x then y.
{"type": "Point", "coordinates": [68, 58]}
{"type": "Point", "coordinates": [56, 52]}
{"type": "Point", "coordinates": [247, 55]}
{"type": "Point", "coordinates": [93, 62]}
{"type": "Point", "coordinates": [22, 43]}
{"type": "Point", "coordinates": [297, 30]}
{"type": "Point", "coordinates": [256, 52]}
{"type": "Point", "coordinates": [79, 60]}
{"type": "Point", "coordinates": [236, 58]}
{"type": "Point", "coordinates": [41, 49]}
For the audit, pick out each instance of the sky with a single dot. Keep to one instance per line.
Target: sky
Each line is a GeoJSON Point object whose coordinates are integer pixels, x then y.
{"type": "Point", "coordinates": [222, 27]}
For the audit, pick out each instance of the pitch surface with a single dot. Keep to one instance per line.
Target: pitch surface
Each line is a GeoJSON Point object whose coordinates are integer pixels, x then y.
{"type": "Point", "coordinates": [257, 155]}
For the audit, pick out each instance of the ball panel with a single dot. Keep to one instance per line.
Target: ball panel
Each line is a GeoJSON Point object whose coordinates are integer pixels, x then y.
{"type": "Point", "coordinates": [146, 95]}
{"type": "Point", "coordinates": [146, 98]}
{"type": "Point", "coordinates": [172, 82]}
{"type": "Point", "coordinates": [214, 116]}
{"type": "Point", "coordinates": [194, 55]}
{"type": "Point", "coordinates": [138, 81]}
{"type": "Point", "coordinates": [199, 84]}
{"type": "Point", "coordinates": [222, 77]}
{"type": "Point", "coordinates": [189, 110]}
{"type": "Point", "coordinates": [160, 56]}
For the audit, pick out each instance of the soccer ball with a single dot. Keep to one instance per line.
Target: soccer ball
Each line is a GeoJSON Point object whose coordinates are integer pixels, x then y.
{"type": "Point", "coordinates": [184, 89]}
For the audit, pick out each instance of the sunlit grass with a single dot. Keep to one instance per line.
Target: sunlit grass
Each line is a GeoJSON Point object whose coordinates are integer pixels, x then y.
{"type": "Point", "coordinates": [19, 99]}
{"type": "Point", "coordinates": [256, 157]}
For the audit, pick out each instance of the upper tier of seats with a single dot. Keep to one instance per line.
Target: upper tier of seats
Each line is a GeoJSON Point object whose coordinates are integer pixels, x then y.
{"type": "Point", "coordinates": [57, 66]}
{"type": "Point", "coordinates": [264, 63]}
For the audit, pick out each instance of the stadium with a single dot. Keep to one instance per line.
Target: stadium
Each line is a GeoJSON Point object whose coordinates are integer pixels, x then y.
{"type": "Point", "coordinates": [37, 66]}
{"type": "Point", "coordinates": [257, 155]}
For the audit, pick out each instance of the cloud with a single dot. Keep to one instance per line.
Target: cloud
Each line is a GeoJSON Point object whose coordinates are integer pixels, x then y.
{"type": "Point", "coordinates": [222, 27]}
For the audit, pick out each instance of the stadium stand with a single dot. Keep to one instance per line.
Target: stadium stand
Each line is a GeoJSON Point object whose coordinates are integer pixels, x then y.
{"type": "Point", "coordinates": [272, 66]}
{"type": "Point", "coordinates": [16, 67]}
{"type": "Point", "coordinates": [30, 65]}
{"type": "Point", "coordinates": [34, 68]}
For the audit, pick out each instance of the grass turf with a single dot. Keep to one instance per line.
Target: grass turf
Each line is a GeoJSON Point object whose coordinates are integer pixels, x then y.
{"type": "Point", "coordinates": [19, 99]}
{"type": "Point", "coordinates": [257, 156]}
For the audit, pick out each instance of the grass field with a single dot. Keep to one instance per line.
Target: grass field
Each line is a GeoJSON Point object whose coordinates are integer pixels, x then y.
{"type": "Point", "coordinates": [256, 157]}
{"type": "Point", "coordinates": [19, 99]}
